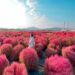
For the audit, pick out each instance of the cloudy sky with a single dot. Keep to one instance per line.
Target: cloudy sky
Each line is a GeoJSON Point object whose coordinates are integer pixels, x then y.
{"type": "Point", "coordinates": [37, 13]}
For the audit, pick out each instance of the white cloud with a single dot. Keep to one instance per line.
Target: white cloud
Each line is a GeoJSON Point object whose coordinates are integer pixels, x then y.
{"type": "Point", "coordinates": [32, 6]}
{"type": "Point", "coordinates": [39, 20]}
{"type": "Point", "coordinates": [14, 14]}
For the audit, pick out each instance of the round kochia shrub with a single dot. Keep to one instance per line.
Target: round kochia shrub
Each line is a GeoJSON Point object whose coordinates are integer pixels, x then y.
{"type": "Point", "coordinates": [1, 40]}
{"type": "Point", "coordinates": [6, 49]}
{"type": "Point", "coordinates": [39, 49]}
{"type": "Point", "coordinates": [49, 52]}
{"type": "Point", "coordinates": [3, 63]}
{"type": "Point", "coordinates": [69, 52]}
{"type": "Point", "coordinates": [57, 65]}
{"type": "Point", "coordinates": [12, 41]}
{"type": "Point", "coordinates": [29, 57]}
{"type": "Point", "coordinates": [16, 51]}
{"type": "Point", "coordinates": [41, 40]}
{"type": "Point", "coordinates": [52, 49]}
{"type": "Point", "coordinates": [15, 69]}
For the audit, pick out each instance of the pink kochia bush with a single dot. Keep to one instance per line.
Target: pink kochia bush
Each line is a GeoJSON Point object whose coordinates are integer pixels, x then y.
{"type": "Point", "coordinates": [69, 52]}
{"type": "Point", "coordinates": [16, 51]}
{"type": "Point", "coordinates": [15, 69]}
{"type": "Point", "coordinates": [39, 49]}
{"type": "Point", "coordinates": [6, 49]}
{"type": "Point", "coordinates": [12, 41]}
{"type": "Point", "coordinates": [3, 63]}
{"type": "Point", "coordinates": [57, 65]}
{"type": "Point", "coordinates": [52, 49]}
{"type": "Point", "coordinates": [30, 58]}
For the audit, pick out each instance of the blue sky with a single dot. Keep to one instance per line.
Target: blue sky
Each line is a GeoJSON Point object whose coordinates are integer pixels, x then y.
{"type": "Point", "coordinates": [38, 13]}
{"type": "Point", "coordinates": [58, 11]}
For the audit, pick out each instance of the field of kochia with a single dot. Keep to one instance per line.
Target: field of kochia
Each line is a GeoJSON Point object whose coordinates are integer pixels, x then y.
{"type": "Point", "coordinates": [56, 49]}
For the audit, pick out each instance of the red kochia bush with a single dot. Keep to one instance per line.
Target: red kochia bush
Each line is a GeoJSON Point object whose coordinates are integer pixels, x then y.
{"type": "Point", "coordinates": [39, 49]}
{"type": "Point", "coordinates": [42, 40]}
{"type": "Point", "coordinates": [26, 41]}
{"type": "Point", "coordinates": [69, 52]}
{"type": "Point", "coordinates": [15, 69]}
{"type": "Point", "coordinates": [3, 63]}
{"type": "Point", "coordinates": [12, 41]}
{"type": "Point", "coordinates": [16, 50]}
{"type": "Point", "coordinates": [29, 57]}
{"type": "Point", "coordinates": [52, 49]}
{"type": "Point", "coordinates": [1, 40]}
{"type": "Point", "coordinates": [58, 65]}
{"type": "Point", "coordinates": [6, 49]}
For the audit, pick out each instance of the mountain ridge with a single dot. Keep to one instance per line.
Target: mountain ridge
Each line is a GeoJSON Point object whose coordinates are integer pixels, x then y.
{"type": "Point", "coordinates": [35, 28]}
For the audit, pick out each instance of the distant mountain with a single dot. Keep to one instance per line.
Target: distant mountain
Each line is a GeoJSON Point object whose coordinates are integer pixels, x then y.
{"type": "Point", "coordinates": [32, 28]}
{"type": "Point", "coordinates": [54, 29]}
{"type": "Point", "coordinates": [35, 28]}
